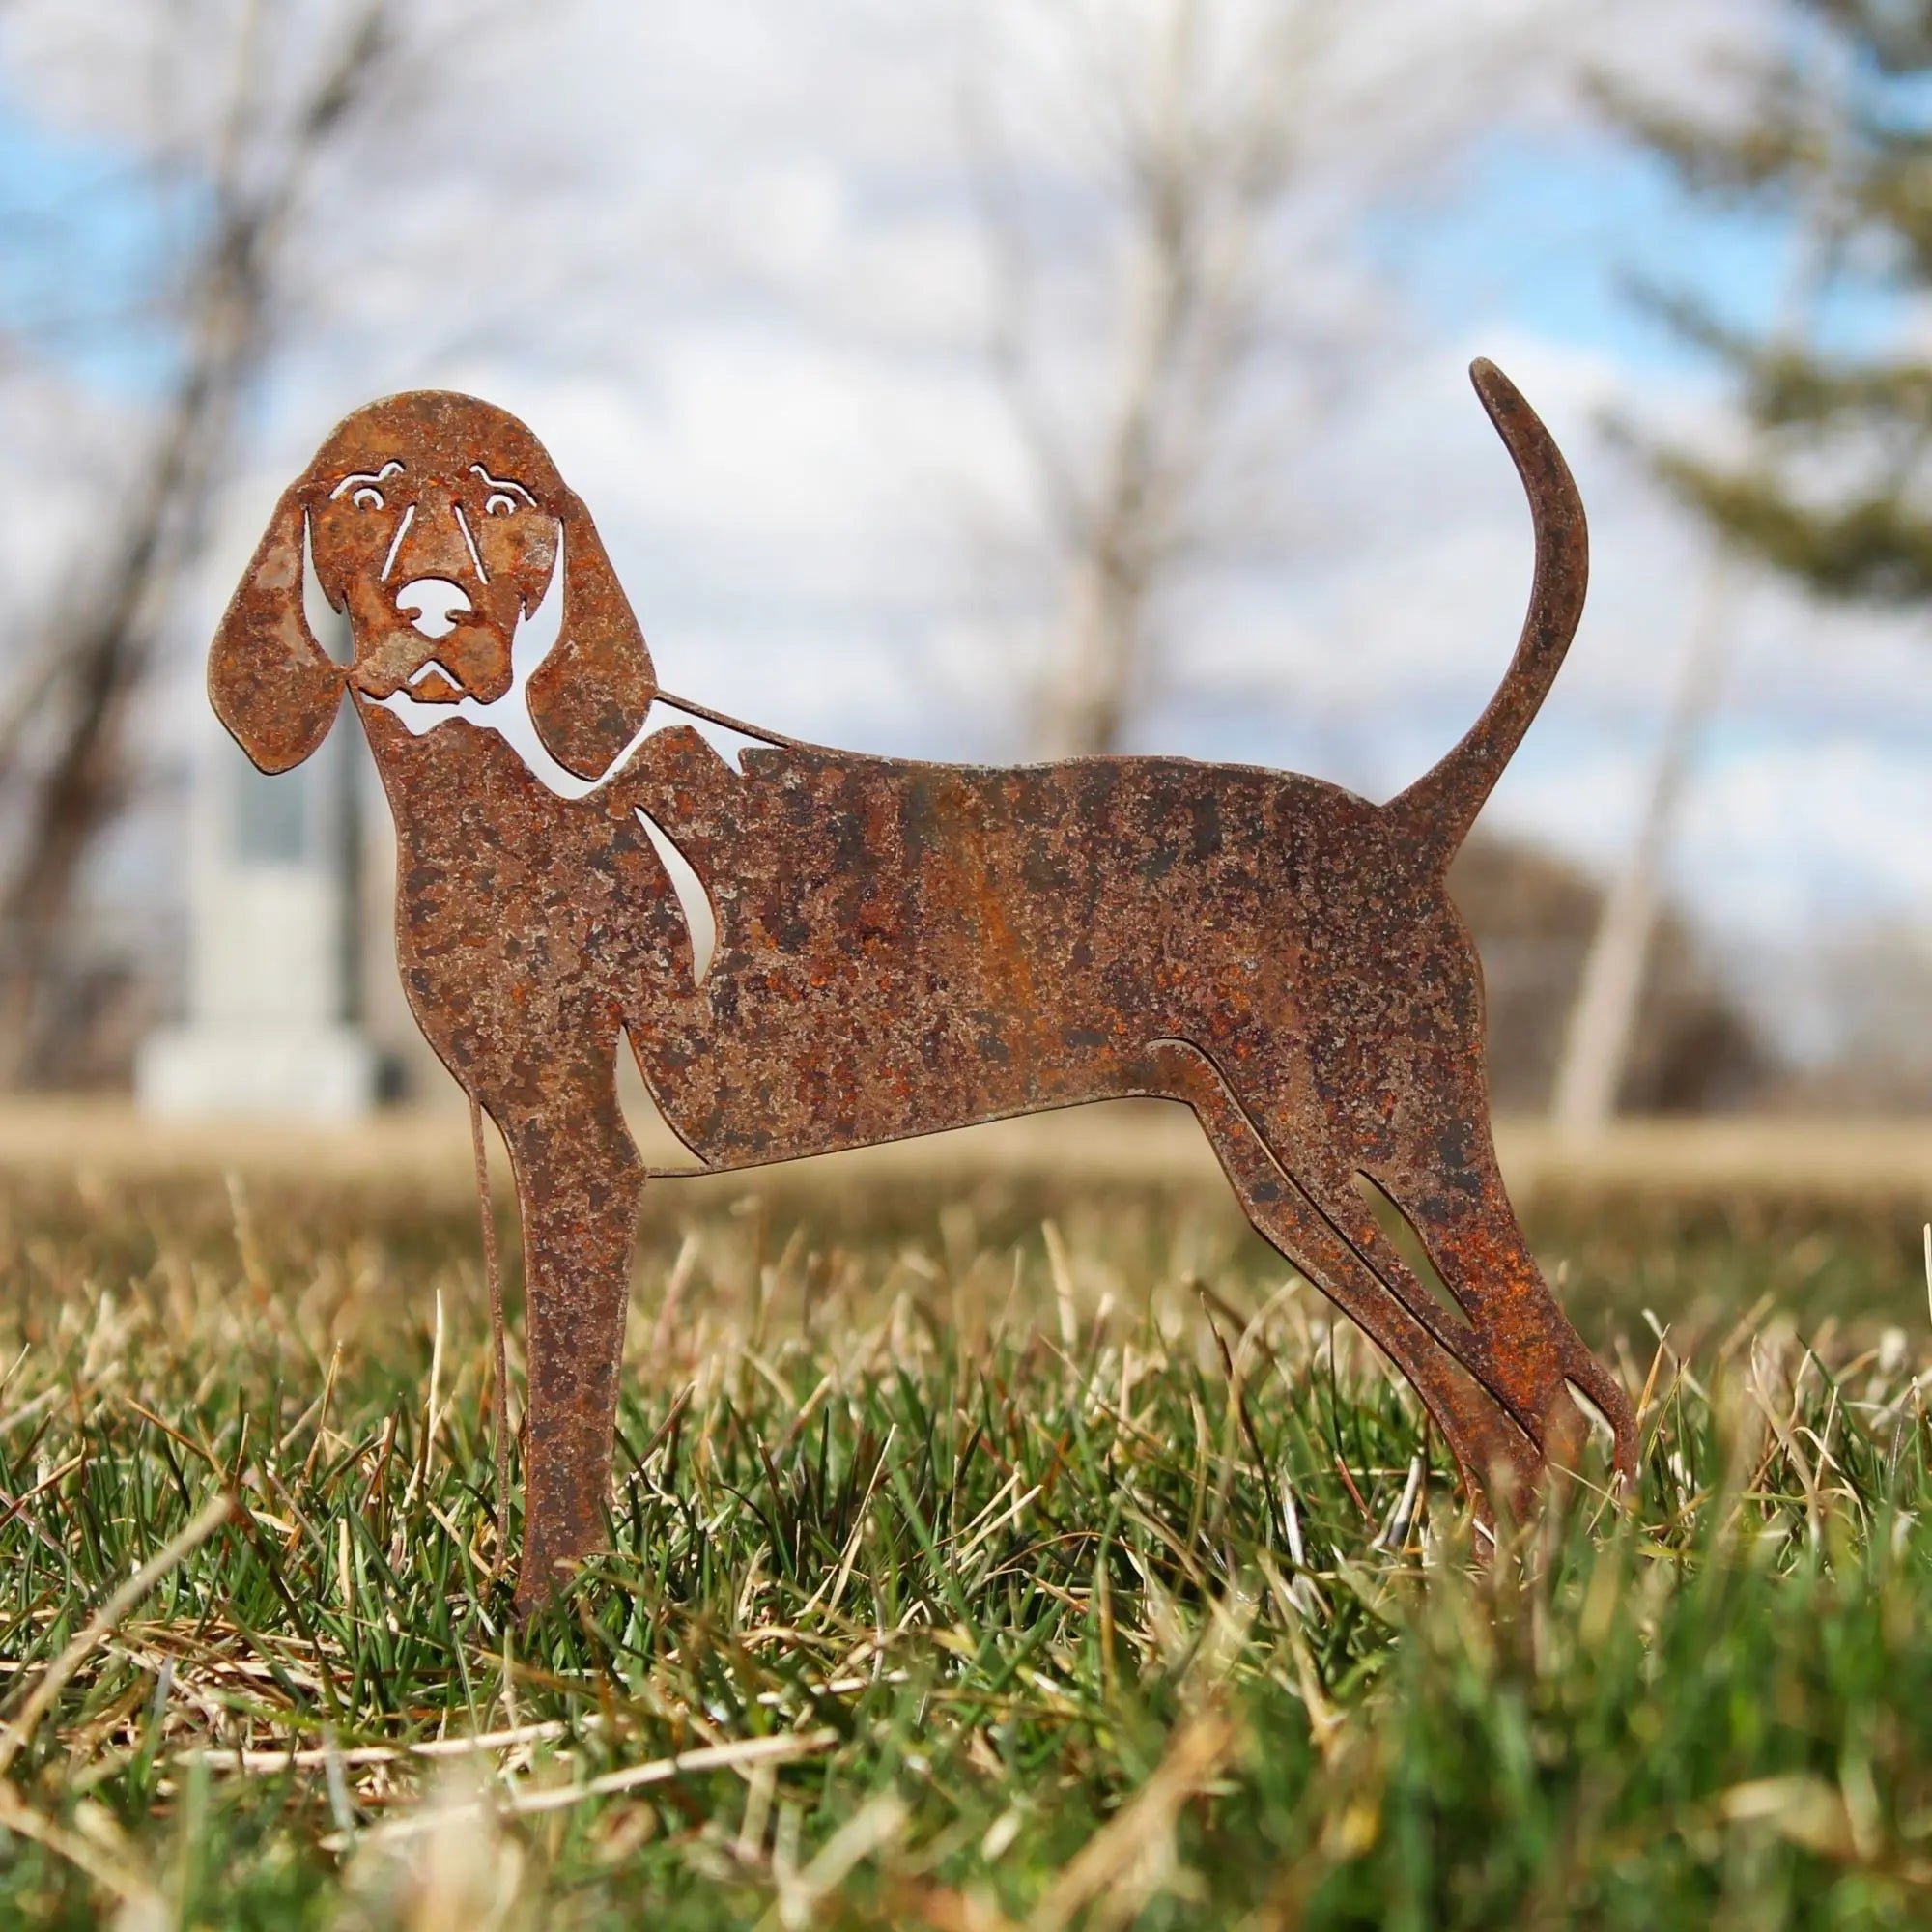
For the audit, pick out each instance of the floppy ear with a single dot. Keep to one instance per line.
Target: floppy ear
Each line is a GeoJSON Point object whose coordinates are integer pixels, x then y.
{"type": "Point", "coordinates": [589, 696]}
{"type": "Point", "coordinates": [271, 683]}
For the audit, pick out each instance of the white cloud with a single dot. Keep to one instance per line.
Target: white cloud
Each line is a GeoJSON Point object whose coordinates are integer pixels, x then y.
{"type": "Point", "coordinates": [720, 256]}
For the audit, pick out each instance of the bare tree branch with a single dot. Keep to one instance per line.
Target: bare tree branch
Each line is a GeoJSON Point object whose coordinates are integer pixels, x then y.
{"type": "Point", "coordinates": [1195, 174]}
{"type": "Point", "coordinates": [95, 661]}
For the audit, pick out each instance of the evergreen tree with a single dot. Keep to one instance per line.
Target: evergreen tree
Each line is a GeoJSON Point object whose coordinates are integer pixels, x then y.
{"type": "Point", "coordinates": [1833, 135]}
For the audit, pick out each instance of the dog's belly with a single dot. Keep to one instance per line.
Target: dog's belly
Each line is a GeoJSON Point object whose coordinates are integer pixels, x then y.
{"type": "Point", "coordinates": [903, 947]}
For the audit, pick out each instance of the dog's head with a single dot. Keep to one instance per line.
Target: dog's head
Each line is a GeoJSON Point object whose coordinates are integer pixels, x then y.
{"type": "Point", "coordinates": [437, 521]}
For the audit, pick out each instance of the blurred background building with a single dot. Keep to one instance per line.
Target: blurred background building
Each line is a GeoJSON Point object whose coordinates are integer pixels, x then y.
{"type": "Point", "coordinates": [995, 378]}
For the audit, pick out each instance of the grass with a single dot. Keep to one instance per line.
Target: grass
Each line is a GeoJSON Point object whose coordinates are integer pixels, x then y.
{"type": "Point", "coordinates": [1008, 1555]}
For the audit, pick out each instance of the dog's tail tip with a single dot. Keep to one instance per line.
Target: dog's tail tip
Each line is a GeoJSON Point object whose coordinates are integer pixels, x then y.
{"type": "Point", "coordinates": [1440, 806]}
{"type": "Point", "coordinates": [1498, 395]}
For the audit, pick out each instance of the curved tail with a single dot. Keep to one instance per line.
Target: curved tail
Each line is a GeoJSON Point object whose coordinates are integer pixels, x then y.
{"type": "Point", "coordinates": [1439, 807]}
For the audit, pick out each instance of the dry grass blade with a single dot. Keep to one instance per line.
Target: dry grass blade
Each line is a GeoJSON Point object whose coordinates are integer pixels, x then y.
{"type": "Point", "coordinates": [661, 1771]}
{"type": "Point", "coordinates": [358, 1755]}
{"type": "Point", "coordinates": [876, 1824]}
{"type": "Point", "coordinates": [1122, 1863]}
{"type": "Point", "coordinates": [108, 1872]}
{"type": "Point", "coordinates": [48, 1481]}
{"type": "Point", "coordinates": [40, 1699]}
{"type": "Point", "coordinates": [738, 1756]}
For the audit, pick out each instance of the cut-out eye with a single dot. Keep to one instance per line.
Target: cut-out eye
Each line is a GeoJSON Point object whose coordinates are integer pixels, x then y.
{"type": "Point", "coordinates": [499, 503]}
{"type": "Point", "coordinates": [367, 498]}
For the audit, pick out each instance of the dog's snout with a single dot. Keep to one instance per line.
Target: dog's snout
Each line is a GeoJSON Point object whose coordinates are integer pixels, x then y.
{"type": "Point", "coordinates": [433, 604]}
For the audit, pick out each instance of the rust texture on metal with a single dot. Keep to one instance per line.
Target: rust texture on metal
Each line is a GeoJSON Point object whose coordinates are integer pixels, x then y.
{"type": "Point", "coordinates": [897, 948]}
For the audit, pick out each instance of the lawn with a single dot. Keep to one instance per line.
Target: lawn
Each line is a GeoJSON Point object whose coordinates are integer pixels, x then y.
{"type": "Point", "coordinates": [984, 1554]}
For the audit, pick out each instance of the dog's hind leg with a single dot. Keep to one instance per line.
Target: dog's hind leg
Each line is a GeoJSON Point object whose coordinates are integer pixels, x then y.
{"type": "Point", "coordinates": [1493, 1453]}
{"type": "Point", "coordinates": [579, 1187]}
{"type": "Point", "coordinates": [1514, 1339]}
{"type": "Point", "coordinates": [1454, 1201]}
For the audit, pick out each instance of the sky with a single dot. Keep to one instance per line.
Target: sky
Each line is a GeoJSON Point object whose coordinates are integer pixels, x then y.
{"type": "Point", "coordinates": [725, 260]}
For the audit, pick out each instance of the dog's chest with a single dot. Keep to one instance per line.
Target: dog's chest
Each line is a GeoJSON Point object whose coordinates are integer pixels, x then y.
{"type": "Point", "coordinates": [516, 909]}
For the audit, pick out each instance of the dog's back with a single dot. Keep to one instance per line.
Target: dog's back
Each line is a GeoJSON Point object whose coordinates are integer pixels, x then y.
{"type": "Point", "coordinates": [903, 947]}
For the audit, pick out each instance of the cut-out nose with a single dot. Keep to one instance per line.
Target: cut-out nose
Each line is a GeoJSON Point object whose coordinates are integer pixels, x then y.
{"type": "Point", "coordinates": [431, 603]}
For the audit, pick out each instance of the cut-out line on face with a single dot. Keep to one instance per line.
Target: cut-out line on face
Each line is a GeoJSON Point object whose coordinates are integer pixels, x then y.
{"type": "Point", "coordinates": [392, 468]}
{"type": "Point", "coordinates": [501, 483]}
{"type": "Point", "coordinates": [475, 555]}
{"type": "Point", "coordinates": [408, 517]}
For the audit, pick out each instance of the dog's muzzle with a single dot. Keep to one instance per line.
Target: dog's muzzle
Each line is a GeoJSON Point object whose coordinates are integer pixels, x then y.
{"type": "Point", "coordinates": [433, 605]}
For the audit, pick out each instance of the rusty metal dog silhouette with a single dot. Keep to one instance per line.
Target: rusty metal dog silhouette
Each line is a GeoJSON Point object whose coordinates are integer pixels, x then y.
{"type": "Point", "coordinates": [896, 948]}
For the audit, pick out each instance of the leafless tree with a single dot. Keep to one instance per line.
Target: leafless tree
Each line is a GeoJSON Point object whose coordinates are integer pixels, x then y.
{"type": "Point", "coordinates": [1194, 151]}
{"type": "Point", "coordinates": [1171, 220]}
{"type": "Point", "coordinates": [63, 735]}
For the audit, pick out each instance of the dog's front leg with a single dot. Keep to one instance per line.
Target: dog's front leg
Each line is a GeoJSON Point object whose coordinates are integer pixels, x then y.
{"type": "Point", "coordinates": [580, 1185]}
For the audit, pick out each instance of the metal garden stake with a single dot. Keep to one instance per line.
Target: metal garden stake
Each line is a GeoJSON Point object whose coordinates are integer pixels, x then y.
{"type": "Point", "coordinates": [900, 947]}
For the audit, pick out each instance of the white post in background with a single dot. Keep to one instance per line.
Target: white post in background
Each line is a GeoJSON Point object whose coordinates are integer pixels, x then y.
{"type": "Point", "coordinates": [273, 1025]}
{"type": "Point", "coordinates": [1596, 1043]}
